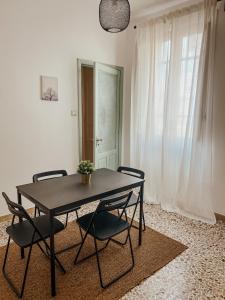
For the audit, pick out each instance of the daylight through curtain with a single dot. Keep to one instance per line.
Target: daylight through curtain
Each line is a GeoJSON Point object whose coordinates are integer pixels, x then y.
{"type": "Point", "coordinates": [171, 111]}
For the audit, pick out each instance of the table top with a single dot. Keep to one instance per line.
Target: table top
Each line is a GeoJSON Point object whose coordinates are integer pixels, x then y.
{"type": "Point", "coordinates": [68, 191]}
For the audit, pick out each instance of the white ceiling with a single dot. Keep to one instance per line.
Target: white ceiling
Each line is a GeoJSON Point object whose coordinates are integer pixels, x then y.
{"type": "Point", "coordinates": [145, 8]}
{"type": "Point", "coordinates": [137, 5]}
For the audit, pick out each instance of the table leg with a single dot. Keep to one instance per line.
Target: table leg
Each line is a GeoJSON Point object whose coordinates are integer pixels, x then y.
{"type": "Point", "coordinates": [19, 198]}
{"type": "Point", "coordinates": [141, 213]}
{"type": "Point", "coordinates": [52, 252]}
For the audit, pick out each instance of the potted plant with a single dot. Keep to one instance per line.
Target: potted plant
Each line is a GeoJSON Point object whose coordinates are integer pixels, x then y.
{"type": "Point", "coordinates": [85, 168]}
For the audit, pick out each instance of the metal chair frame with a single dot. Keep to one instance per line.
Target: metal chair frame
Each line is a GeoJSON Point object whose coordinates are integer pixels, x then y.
{"type": "Point", "coordinates": [17, 210]}
{"type": "Point", "coordinates": [138, 174]}
{"type": "Point", "coordinates": [107, 205]}
{"type": "Point", "coordinates": [51, 175]}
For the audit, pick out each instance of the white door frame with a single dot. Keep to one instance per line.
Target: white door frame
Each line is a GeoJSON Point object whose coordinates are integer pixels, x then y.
{"type": "Point", "coordinates": [89, 63]}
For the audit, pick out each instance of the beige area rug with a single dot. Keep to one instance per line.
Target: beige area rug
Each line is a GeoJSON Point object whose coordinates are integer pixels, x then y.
{"type": "Point", "coordinates": [82, 281]}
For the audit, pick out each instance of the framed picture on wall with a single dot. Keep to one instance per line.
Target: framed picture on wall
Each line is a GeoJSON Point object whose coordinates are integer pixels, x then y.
{"type": "Point", "coordinates": [49, 88]}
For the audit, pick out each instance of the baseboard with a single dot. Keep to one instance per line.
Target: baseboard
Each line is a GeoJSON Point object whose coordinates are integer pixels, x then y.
{"type": "Point", "coordinates": [9, 217]}
{"type": "Point", "coordinates": [220, 217]}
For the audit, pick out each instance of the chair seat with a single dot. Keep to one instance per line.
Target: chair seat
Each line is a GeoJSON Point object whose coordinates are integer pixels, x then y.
{"type": "Point", "coordinates": [21, 233]}
{"type": "Point", "coordinates": [106, 225]}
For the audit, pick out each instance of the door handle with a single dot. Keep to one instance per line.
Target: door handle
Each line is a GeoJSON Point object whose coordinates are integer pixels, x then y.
{"type": "Point", "coordinates": [99, 140]}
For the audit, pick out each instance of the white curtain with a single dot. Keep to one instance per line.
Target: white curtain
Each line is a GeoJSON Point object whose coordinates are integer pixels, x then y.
{"type": "Point", "coordinates": [171, 109]}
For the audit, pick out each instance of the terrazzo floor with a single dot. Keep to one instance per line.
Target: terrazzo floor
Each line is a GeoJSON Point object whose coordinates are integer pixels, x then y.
{"type": "Point", "coordinates": [198, 273]}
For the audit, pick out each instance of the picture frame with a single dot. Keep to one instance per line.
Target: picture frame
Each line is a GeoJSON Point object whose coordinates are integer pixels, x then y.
{"type": "Point", "coordinates": [49, 88]}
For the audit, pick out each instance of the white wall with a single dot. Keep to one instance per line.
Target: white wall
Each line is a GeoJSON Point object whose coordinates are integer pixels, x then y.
{"type": "Point", "coordinates": [45, 37]}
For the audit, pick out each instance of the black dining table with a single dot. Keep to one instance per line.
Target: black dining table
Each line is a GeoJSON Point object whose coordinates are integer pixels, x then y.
{"type": "Point", "coordinates": [56, 195]}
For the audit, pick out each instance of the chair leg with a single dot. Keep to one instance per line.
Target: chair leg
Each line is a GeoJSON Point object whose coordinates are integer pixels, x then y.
{"type": "Point", "coordinates": [90, 255]}
{"type": "Point", "coordinates": [6, 254]}
{"type": "Point", "coordinates": [144, 226]}
{"type": "Point", "coordinates": [144, 221]}
{"type": "Point", "coordinates": [15, 290]}
{"type": "Point", "coordinates": [71, 246]}
{"type": "Point", "coordinates": [134, 226]}
{"type": "Point", "coordinates": [135, 209]}
{"type": "Point", "coordinates": [58, 262]}
{"type": "Point", "coordinates": [119, 276]}
{"type": "Point", "coordinates": [48, 256]}
{"type": "Point", "coordinates": [26, 270]}
{"type": "Point", "coordinates": [37, 211]}
{"type": "Point", "coordinates": [131, 248]}
{"type": "Point", "coordinates": [98, 263]}
{"type": "Point", "coordinates": [79, 250]}
{"type": "Point", "coordinates": [81, 233]}
{"type": "Point", "coordinates": [131, 223]}
{"type": "Point", "coordinates": [66, 223]}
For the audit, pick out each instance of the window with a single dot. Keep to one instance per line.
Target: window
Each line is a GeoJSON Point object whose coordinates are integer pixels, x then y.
{"type": "Point", "coordinates": [184, 87]}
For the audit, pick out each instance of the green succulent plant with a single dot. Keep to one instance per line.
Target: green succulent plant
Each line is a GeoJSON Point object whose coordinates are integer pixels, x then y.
{"type": "Point", "coordinates": [85, 167]}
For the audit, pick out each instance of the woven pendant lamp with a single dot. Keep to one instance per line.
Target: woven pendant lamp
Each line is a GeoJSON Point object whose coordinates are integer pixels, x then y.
{"type": "Point", "coordinates": [114, 15]}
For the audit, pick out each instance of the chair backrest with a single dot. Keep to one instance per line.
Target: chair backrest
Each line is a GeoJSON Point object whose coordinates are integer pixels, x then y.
{"type": "Point", "coordinates": [132, 172]}
{"type": "Point", "coordinates": [16, 209]}
{"type": "Point", "coordinates": [48, 175]}
{"type": "Point", "coordinates": [119, 202]}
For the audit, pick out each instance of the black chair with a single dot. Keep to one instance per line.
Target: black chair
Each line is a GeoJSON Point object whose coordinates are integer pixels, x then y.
{"type": "Point", "coordinates": [135, 199]}
{"type": "Point", "coordinates": [102, 225]}
{"type": "Point", "coordinates": [51, 175]}
{"type": "Point", "coordinates": [27, 232]}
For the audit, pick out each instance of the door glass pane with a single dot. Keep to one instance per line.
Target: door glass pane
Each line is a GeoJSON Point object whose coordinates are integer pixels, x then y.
{"type": "Point", "coordinates": [107, 112]}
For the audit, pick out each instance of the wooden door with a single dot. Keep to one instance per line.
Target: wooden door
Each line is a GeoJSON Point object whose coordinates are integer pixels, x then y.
{"type": "Point", "coordinates": [87, 73]}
